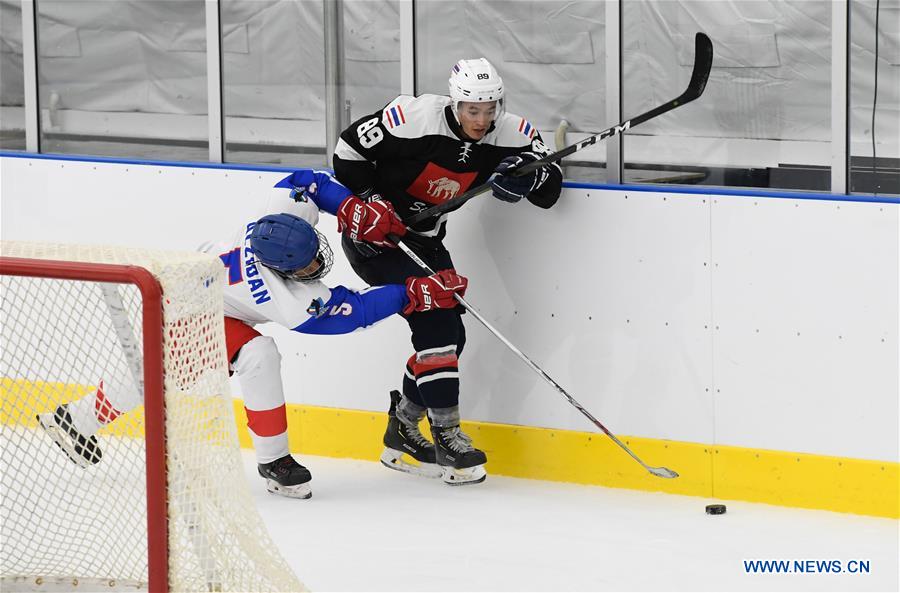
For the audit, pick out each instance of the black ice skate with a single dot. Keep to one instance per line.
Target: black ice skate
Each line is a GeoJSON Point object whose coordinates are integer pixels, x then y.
{"type": "Point", "coordinates": [286, 477]}
{"type": "Point", "coordinates": [83, 451]}
{"type": "Point", "coordinates": [403, 441]}
{"type": "Point", "coordinates": [460, 462]}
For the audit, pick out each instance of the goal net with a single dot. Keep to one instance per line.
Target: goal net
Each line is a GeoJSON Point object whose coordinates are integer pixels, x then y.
{"type": "Point", "coordinates": [157, 498]}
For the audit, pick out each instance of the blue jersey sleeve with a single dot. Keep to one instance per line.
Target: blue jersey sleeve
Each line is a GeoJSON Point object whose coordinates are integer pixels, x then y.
{"type": "Point", "coordinates": [325, 191]}
{"type": "Point", "coordinates": [348, 310]}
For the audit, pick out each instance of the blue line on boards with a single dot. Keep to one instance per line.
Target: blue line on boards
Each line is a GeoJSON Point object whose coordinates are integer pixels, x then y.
{"type": "Point", "coordinates": [668, 189]}
{"type": "Point", "coordinates": [722, 191]}
{"type": "Point", "coordinates": [121, 161]}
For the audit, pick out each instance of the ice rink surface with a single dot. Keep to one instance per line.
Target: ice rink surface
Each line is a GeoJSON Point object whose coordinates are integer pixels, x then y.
{"type": "Point", "coordinates": [368, 528]}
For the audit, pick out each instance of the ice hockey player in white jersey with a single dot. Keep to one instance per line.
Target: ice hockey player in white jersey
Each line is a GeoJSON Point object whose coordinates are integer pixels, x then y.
{"type": "Point", "coordinates": [415, 153]}
{"type": "Point", "coordinates": [274, 269]}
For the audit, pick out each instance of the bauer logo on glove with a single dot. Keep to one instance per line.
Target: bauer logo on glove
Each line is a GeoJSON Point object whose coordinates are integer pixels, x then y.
{"type": "Point", "coordinates": [437, 291]}
{"type": "Point", "coordinates": [370, 222]}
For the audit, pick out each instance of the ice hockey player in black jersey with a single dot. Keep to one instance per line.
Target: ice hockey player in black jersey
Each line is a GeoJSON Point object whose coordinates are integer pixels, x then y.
{"type": "Point", "coordinates": [413, 154]}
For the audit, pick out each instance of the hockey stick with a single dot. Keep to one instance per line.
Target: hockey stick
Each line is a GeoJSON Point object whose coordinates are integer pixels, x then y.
{"type": "Point", "coordinates": [125, 333]}
{"type": "Point", "coordinates": [703, 58]}
{"type": "Point", "coordinates": [660, 472]}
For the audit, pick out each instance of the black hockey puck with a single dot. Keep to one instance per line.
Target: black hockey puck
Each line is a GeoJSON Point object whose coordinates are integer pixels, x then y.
{"type": "Point", "coordinates": [715, 509]}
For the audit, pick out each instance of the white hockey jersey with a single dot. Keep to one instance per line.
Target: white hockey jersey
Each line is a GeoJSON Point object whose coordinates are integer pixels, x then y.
{"type": "Point", "coordinates": [256, 294]}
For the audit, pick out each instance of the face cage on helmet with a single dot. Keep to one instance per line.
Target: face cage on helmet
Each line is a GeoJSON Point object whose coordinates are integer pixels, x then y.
{"type": "Point", "coordinates": [325, 257]}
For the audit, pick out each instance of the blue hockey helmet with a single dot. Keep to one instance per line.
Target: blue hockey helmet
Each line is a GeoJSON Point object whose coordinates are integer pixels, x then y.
{"type": "Point", "coordinates": [291, 246]}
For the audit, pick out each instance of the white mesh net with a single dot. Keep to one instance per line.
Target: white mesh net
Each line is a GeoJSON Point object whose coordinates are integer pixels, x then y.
{"type": "Point", "coordinates": [87, 526]}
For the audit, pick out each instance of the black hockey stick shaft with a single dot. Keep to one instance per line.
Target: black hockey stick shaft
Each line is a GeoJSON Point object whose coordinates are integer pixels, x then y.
{"type": "Point", "coordinates": [703, 58]}
{"type": "Point", "coordinates": [660, 472]}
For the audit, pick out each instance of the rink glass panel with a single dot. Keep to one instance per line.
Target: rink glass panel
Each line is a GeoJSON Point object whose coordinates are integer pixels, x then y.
{"type": "Point", "coordinates": [273, 82]}
{"type": "Point", "coordinates": [12, 77]}
{"type": "Point", "coordinates": [766, 106]}
{"type": "Point", "coordinates": [125, 78]}
{"type": "Point", "coordinates": [551, 56]}
{"type": "Point", "coordinates": [274, 75]}
{"type": "Point", "coordinates": [371, 56]}
{"type": "Point", "coordinates": [874, 166]}
{"type": "Point", "coordinates": [128, 78]}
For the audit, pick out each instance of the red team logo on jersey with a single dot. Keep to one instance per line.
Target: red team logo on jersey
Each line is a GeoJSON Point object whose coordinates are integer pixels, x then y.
{"type": "Point", "coordinates": [436, 184]}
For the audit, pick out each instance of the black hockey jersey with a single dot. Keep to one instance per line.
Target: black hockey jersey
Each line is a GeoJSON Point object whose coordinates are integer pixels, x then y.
{"type": "Point", "coordinates": [412, 153]}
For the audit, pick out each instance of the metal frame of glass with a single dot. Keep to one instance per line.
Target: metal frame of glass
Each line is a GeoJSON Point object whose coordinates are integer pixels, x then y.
{"type": "Point", "coordinates": [214, 81]}
{"type": "Point", "coordinates": [335, 115]}
{"type": "Point", "coordinates": [30, 63]}
{"type": "Point", "coordinates": [840, 95]}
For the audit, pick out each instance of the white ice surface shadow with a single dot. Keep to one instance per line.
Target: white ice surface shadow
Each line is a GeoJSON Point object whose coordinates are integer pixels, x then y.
{"type": "Point", "coordinates": [367, 528]}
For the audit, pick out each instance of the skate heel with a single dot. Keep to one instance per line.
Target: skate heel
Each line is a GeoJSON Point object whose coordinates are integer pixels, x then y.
{"type": "Point", "coordinates": [302, 491]}
{"type": "Point", "coordinates": [463, 477]}
{"type": "Point", "coordinates": [405, 447]}
{"type": "Point", "coordinates": [286, 477]}
{"type": "Point", "coordinates": [460, 462]}
{"type": "Point", "coordinates": [402, 462]}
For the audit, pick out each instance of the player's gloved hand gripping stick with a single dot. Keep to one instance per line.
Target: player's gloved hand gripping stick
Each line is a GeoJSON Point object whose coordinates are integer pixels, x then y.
{"type": "Point", "coordinates": [703, 58]}
{"type": "Point", "coordinates": [660, 472]}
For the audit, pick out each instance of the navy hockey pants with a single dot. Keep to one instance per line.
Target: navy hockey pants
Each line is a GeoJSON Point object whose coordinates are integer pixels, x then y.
{"type": "Point", "coordinates": [431, 378]}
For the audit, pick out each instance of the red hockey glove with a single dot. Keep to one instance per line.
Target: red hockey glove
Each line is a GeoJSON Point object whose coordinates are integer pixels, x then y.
{"type": "Point", "coordinates": [435, 291]}
{"type": "Point", "coordinates": [370, 222]}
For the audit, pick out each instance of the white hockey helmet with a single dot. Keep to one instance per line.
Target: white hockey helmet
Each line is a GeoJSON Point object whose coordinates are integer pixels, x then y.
{"type": "Point", "coordinates": [475, 81]}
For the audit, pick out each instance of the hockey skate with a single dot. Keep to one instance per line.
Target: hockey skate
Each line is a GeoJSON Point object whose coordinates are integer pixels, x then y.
{"type": "Point", "coordinates": [82, 451]}
{"type": "Point", "coordinates": [286, 477]}
{"type": "Point", "coordinates": [403, 439]}
{"type": "Point", "coordinates": [460, 462]}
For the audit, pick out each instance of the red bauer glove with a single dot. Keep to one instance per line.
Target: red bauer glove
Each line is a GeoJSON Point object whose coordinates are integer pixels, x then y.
{"type": "Point", "coordinates": [435, 291]}
{"type": "Point", "coordinates": [370, 222]}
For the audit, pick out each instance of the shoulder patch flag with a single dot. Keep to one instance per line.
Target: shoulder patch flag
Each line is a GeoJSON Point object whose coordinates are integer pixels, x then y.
{"type": "Point", "coordinates": [394, 116]}
{"type": "Point", "coordinates": [526, 128]}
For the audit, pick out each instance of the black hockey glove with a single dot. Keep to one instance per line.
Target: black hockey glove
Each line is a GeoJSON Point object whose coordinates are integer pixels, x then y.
{"type": "Point", "coordinates": [513, 189]}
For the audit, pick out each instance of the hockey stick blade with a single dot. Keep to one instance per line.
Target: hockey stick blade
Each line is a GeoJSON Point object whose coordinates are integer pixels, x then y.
{"type": "Point", "coordinates": [662, 472]}
{"type": "Point", "coordinates": [703, 59]}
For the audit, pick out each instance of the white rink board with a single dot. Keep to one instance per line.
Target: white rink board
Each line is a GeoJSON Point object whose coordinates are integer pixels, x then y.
{"type": "Point", "coordinates": [607, 295]}
{"type": "Point", "coordinates": [805, 306]}
{"type": "Point", "coordinates": [586, 289]}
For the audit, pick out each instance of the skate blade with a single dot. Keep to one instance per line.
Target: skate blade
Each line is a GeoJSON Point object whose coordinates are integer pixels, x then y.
{"type": "Point", "coordinates": [465, 476]}
{"type": "Point", "coordinates": [393, 459]}
{"type": "Point", "coordinates": [62, 440]}
{"type": "Point", "coordinates": [302, 491]}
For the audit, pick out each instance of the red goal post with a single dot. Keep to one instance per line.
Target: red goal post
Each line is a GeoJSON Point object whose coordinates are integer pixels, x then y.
{"type": "Point", "coordinates": [167, 506]}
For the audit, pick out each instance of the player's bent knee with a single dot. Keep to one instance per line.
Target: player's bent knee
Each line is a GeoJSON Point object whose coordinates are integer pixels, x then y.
{"type": "Point", "coordinates": [258, 356]}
